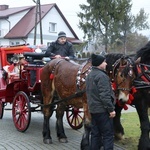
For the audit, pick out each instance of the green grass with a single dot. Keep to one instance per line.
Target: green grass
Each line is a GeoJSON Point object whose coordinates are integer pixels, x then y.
{"type": "Point", "coordinates": [130, 122]}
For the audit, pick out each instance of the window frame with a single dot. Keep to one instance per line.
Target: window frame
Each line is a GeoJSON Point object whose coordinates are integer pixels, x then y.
{"type": "Point", "coordinates": [52, 27]}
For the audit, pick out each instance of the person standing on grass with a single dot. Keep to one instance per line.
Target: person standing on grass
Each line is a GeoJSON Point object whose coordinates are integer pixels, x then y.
{"type": "Point", "coordinates": [101, 103]}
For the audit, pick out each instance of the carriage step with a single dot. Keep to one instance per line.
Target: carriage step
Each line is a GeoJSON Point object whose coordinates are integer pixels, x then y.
{"type": "Point", "coordinates": [35, 99]}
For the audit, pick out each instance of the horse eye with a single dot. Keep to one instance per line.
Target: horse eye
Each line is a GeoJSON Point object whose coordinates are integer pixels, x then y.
{"type": "Point", "coordinates": [121, 75]}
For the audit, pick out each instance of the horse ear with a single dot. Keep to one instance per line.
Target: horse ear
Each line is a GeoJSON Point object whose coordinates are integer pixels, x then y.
{"type": "Point", "coordinates": [138, 60]}
{"type": "Point", "coordinates": [122, 61]}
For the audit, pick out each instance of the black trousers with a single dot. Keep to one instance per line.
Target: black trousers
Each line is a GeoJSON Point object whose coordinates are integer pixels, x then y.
{"type": "Point", "coordinates": [102, 132]}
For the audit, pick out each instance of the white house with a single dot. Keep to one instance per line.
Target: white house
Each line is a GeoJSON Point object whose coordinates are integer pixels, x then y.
{"type": "Point", "coordinates": [17, 25]}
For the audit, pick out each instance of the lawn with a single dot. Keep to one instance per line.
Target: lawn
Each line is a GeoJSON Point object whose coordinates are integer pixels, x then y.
{"type": "Point", "coordinates": [130, 122]}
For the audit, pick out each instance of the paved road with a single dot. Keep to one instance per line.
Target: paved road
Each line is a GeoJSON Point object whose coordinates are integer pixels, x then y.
{"type": "Point", "coordinates": [11, 139]}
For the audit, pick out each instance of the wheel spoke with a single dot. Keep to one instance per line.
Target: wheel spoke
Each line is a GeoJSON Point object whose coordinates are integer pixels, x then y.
{"type": "Point", "coordinates": [74, 117]}
{"type": "Point", "coordinates": [21, 111]}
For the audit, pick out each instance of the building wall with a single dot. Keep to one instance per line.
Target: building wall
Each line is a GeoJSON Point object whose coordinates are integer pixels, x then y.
{"type": "Point", "coordinates": [8, 24]}
{"type": "Point", "coordinates": [53, 16]}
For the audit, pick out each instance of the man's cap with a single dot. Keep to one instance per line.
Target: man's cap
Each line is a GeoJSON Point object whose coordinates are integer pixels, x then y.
{"type": "Point", "coordinates": [61, 34]}
{"type": "Point", "coordinates": [97, 59]}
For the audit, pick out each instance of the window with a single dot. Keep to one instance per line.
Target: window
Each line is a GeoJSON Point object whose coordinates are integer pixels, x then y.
{"type": "Point", "coordinates": [52, 27]}
{"type": "Point", "coordinates": [14, 43]}
{"type": "Point", "coordinates": [17, 43]}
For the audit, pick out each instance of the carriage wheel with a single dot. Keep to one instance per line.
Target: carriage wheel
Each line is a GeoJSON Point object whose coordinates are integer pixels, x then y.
{"type": "Point", "coordinates": [75, 117]}
{"type": "Point", "coordinates": [21, 111]}
{"type": "Point", "coordinates": [1, 109]}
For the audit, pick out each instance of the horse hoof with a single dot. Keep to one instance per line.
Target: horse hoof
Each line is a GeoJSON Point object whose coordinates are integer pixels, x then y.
{"type": "Point", "coordinates": [47, 141]}
{"type": "Point", "coordinates": [63, 140]}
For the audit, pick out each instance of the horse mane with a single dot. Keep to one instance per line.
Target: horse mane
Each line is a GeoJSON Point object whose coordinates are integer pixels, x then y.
{"type": "Point", "coordinates": [126, 69]}
{"type": "Point", "coordinates": [144, 53]}
{"type": "Point", "coordinates": [113, 60]}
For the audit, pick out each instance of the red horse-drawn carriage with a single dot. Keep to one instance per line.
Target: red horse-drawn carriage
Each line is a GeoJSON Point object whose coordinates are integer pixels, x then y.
{"type": "Point", "coordinates": [24, 90]}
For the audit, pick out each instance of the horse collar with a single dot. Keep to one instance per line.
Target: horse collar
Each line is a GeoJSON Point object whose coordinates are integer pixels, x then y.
{"type": "Point", "coordinates": [141, 73]}
{"type": "Point", "coordinates": [81, 75]}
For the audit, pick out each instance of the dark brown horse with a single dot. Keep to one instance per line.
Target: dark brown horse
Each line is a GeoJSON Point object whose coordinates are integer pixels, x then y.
{"type": "Point", "coordinates": [64, 79]}
{"type": "Point", "coordinates": [141, 98]}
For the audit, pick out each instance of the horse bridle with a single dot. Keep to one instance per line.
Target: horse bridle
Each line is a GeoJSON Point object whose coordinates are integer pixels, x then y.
{"type": "Point", "coordinates": [116, 71]}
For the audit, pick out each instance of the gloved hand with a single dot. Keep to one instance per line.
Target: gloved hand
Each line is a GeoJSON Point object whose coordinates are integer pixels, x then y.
{"type": "Point", "coordinates": [67, 58]}
{"type": "Point", "coordinates": [57, 56]}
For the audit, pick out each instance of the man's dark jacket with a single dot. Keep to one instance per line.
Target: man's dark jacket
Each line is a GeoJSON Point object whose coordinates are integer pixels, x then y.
{"type": "Point", "coordinates": [100, 96]}
{"type": "Point", "coordinates": [60, 49]}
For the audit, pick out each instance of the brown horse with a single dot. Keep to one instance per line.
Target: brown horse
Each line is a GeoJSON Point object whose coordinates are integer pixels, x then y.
{"type": "Point", "coordinates": [63, 79]}
{"type": "Point", "coordinates": [141, 97]}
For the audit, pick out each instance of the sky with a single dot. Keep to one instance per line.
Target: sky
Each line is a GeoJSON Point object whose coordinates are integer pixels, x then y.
{"type": "Point", "coordinates": [70, 9]}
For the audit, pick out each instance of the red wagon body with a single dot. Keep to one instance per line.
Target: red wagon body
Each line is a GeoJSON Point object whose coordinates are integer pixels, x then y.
{"type": "Point", "coordinates": [6, 53]}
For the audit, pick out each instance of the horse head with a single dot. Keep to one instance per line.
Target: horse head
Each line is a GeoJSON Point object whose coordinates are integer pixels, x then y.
{"type": "Point", "coordinates": [124, 75]}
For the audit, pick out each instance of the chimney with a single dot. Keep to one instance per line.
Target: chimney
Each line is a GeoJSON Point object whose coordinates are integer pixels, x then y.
{"type": "Point", "coordinates": [3, 7]}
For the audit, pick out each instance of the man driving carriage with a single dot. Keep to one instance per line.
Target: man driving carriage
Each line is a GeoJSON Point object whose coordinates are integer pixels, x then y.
{"type": "Point", "coordinates": [61, 48]}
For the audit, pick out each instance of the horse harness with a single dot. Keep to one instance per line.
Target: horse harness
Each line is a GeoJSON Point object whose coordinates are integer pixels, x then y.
{"type": "Point", "coordinates": [81, 75]}
{"type": "Point", "coordinates": [143, 76]}
{"type": "Point", "coordinates": [79, 82]}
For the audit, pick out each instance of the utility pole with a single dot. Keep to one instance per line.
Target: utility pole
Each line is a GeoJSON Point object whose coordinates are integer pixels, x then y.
{"type": "Point", "coordinates": [41, 34]}
{"type": "Point", "coordinates": [38, 18]}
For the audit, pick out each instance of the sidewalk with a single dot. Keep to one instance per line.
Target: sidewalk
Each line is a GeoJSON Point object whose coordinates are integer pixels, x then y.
{"type": "Point", "coordinates": [32, 139]}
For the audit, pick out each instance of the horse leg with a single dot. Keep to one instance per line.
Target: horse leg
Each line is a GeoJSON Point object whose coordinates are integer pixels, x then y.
{"type": "Point", "coordinates": [118, 128]}
{"type": "Point", "coordinates": [85, 142]}
{"type": "Point", "coordinates": [142, 110]}
{"type": "Point", "coordinates": [47, 111]}
{"type": "Point", "coordinates": [59, 124]}
{"type": "Point", "coordinates": [46, 131]}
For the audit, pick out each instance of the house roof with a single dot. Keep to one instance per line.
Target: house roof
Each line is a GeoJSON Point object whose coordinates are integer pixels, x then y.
{"type": "Point", "coordinates": [27, 23]}
{"type": "Point", "coordinates": [11, 11]}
